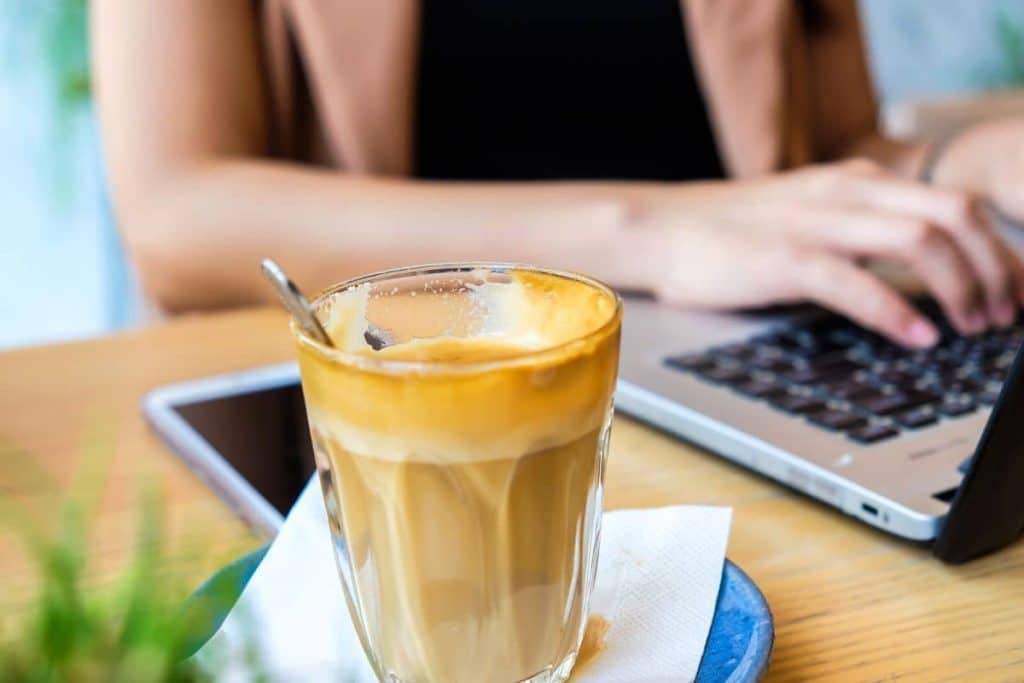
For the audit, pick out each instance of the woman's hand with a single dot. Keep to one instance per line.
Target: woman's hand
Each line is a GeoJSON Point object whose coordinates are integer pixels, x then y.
{"type": "Point", "coordinates": [988, 160]}
{"type": "Point", "coordinates": [803, 236]}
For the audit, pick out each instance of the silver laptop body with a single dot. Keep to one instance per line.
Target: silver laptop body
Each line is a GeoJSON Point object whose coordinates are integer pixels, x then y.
{"type": "Point", "coordinates": [891, 485]}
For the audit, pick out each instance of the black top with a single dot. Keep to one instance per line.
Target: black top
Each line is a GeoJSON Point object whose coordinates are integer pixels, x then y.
{"type": "Point", "coordinates": [559, 89]}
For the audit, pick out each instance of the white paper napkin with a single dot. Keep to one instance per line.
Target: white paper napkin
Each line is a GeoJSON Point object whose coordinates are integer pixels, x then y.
{"type": "Point", "coordinates": [657, 583]}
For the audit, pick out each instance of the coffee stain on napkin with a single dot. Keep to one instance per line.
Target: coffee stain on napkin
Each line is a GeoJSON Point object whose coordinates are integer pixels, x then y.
{"type": "Point", "coordinates": [593, 644]}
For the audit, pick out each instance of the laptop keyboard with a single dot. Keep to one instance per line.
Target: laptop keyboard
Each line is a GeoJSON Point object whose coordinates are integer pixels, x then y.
{"type": "Point", "coordinates": [845, 379]}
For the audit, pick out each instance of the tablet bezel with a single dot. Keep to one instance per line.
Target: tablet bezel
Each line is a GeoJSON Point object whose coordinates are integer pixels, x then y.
{"type": "Point", "coordinates": [160, 409]}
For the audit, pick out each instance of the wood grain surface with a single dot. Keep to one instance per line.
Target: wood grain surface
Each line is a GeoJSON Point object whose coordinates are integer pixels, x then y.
{"type": "Point", "coordinates": [850, 603]}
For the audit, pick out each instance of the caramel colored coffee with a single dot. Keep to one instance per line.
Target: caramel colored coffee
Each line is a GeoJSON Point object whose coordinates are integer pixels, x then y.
{"type": "Point", "coordinates": [462, 467]}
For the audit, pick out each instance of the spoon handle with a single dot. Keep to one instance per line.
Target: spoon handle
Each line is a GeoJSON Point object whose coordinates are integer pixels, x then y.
{"type": "Point", "coordinates": [295, 302]}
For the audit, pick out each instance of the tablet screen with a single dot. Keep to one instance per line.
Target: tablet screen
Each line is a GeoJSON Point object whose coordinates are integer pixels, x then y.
{"type": "Point", "coordinates": [263, 434]}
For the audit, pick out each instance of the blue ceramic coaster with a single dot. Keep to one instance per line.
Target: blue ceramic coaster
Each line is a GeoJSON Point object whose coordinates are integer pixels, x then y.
{"type": "Point", "coordinates": [738, 648]}
{"type": "Point", "coordinates": [742, 632]}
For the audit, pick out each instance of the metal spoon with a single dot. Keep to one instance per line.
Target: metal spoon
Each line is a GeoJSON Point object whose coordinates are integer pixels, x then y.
{"type": "Point", "coordinates": [295, 302]}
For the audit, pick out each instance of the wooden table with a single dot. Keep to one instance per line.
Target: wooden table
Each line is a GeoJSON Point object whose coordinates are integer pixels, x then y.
{"type": "Point", "coordinates": [850, 603]}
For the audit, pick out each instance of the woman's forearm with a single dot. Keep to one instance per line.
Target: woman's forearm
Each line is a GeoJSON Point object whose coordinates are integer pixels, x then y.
{"type": "Point", "coordinates": [984, 159]}
{"type": "Point", "coordinates": [198, 236]}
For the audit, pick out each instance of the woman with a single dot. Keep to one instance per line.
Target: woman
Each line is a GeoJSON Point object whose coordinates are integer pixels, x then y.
{"type": "Point", "coordinates": [693, 150]}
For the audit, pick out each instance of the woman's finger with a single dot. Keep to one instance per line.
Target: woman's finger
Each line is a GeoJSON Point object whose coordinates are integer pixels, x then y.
{"type": "Point", "coordinates": [838, 284]}
{"type": "Point", "coordinates": [933, 254]}
{"type": "Point", "coordinates": [1014, 265]}
{"type": "Point", "coordinates": [960, 215]}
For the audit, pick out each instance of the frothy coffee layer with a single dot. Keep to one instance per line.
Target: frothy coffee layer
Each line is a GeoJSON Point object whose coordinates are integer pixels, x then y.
{"type": "Point", "coordinates": [462, 418]}
{"type": "Point", "coordinates": [526, 310]}
{"type": "Point", "coordinates": [456, 412]}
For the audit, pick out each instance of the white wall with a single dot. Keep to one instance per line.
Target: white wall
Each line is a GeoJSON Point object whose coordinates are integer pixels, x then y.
{"type": "Point", "coordinates": [54, 254]}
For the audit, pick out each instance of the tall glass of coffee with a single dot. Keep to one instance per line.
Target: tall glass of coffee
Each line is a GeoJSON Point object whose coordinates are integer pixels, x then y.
{"type": "Point", "coordinates": [460, 427]}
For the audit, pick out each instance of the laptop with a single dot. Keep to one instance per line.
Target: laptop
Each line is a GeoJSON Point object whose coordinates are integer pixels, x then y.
{"type": "Point", "coordinates": [883, 433]}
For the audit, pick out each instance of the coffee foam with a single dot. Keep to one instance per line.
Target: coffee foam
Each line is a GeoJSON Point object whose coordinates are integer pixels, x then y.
{"type": "Point", "coordinates": [529, 309]}
{"type": "Point", "coordinates": [504, 413]}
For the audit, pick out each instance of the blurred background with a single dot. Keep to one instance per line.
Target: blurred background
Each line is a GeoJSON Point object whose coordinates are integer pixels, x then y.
{"type": "Point", "coordinates": [63, 274]}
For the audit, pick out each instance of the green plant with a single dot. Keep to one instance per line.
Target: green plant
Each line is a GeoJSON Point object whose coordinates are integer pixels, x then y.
{"type": "Point", "coordinates": [47, 41]}
{"type": "Point", "coordinates": [55, 34]}
{"type": "Point", "coordinates": [132, 634]}
{"type": "Point", "coordinates": [1010, 37]}
{"type": "Point", "coordinates": [135, 631]}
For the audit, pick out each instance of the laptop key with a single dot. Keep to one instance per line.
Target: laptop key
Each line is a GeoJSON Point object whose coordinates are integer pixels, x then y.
{"type": "Point", "coordinates": [738, 351]}
{"type": "Point", "coordinates": [872, 433]}
{"type": "Point", "coordinates": [871, 393]}
{"type": "Point", "coordinates": [827, 356]}
{"type": "Point", "coordinates": [836, 367]}
{"type": "Point", "coordinates": [918, 417]}
{"type": "Point", "coordinates": [756, 388]}
{"type": "Point", "coordinates": [884, 404]}
{"type": "Point", "coordinates": [771, 364]}
{"type": "Point", "coordinates": [988, 396]}
{"type": "Point", "coordinates": [887, 404]}
{"type": "Point", "coordinates": [813, 372]}
{"type": "Point", "coordinates": [802, 375]}
{"type": "Point", "coordinates": [992, 376]}
{"type": "Point", "coordinates": [962, 386]}
{"type": "Point", "coordinates": [849, 389]}
{"type": "Point", "coordinates": [724, 374]}
{"type": "Point", "coordinates": [957, 405]}
{"type": "Point", "coordinates": [896, 377]}
{"type": "Point", "coordinates": [797, 404]}
{"type": "Point", "coordinates": [691, 361]}
{"type": "Point", "coordinates": [793, 340]}
{"type": "Point", "coordinates": [837, 419]}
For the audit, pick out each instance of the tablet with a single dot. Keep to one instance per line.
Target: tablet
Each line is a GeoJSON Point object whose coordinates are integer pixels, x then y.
{"type": "Point", "coordinates": [245, 434]}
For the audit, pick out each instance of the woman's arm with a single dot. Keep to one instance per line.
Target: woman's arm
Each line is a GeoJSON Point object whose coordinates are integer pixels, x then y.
{"type": "Point", "coordinates": [199, 236]}
{"type": "Point", "coordinates": [182, 107]}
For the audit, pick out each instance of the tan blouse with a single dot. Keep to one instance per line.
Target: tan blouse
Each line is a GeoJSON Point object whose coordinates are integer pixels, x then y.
{"type": "Point", "coordinates": [341, 80]}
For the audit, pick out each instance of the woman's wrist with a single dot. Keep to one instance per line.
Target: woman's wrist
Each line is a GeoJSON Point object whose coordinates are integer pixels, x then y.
{"type": "Point", "coordinates": [966, 159]}
{"type": "Point", "coordinates": [935, 151]}
{"type": "Point", "coordinates": [629, 253]}
{"type": "Point", "coordinates": [987, 160]}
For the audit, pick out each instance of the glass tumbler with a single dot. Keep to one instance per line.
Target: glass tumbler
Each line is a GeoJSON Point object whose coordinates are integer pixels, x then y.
{"type": "Point", "coordinates": [460, 425]}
